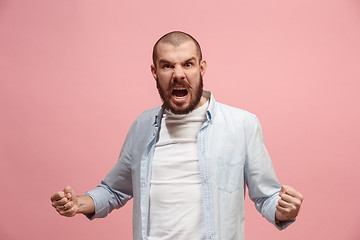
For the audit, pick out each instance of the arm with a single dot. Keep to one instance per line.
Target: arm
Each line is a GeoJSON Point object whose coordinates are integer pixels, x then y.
{"type": "Point", "coordinates": [113, 192]}
{"type": "Point", "coordinates": [264, 188]}
{"type": "Point", "coordinates": [116, 189]}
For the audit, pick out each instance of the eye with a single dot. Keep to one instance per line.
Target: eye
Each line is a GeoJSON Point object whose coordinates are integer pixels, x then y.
{"type": "Point", "coordinates": [166, 66]}
{"type": "Point", "coordinates": [188, 64]}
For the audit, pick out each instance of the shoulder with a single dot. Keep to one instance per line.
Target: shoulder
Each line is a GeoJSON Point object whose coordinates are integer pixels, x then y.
{"type": "Point", "coordinates": [238, 120]}
{"type": "Point", "coordinates": [229, 113]}
{"type": "Point", "coordinates": [146, 119]}
{"type": "Point", "coordinates": [149, 114]}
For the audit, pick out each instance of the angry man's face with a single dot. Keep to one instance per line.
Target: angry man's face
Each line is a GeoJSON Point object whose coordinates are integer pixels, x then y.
{"type": "Point", "coordinates": [178, 74]}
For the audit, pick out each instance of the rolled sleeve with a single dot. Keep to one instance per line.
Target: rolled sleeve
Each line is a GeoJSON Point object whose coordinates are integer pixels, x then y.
{"type": "Point", "coordinates": [99, 196]}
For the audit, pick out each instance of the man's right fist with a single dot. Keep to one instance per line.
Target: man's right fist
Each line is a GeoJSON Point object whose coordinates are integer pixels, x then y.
{"type": "Point", "coordinates": [65, 202]}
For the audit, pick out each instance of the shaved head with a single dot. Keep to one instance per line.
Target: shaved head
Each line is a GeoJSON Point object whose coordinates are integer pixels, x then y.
{"type": "Point", "coordinates": [176, 38]}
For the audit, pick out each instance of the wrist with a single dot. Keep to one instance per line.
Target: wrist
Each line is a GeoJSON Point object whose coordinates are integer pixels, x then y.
{"type": "Point", "coordinates": [85, 204]}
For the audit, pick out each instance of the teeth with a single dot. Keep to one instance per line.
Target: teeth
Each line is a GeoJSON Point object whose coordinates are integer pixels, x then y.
{"type": "Point", "coordinates": [179, 97]}
{"type": "Point", "coordinates": [179, 88]}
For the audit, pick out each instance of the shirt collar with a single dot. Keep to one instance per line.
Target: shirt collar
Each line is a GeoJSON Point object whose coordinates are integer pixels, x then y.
{"type": "Point", "coordinates": [210, 113]}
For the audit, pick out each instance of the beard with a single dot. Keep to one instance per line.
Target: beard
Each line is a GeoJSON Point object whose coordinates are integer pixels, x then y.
{"type": "Point", "coordinates": [193, 102]}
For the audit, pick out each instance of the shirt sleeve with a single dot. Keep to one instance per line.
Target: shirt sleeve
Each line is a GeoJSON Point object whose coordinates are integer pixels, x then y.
{"type": "Point", "coordinates": [260, 176]}
{"type": "Point", "coordinates": [116, 188]}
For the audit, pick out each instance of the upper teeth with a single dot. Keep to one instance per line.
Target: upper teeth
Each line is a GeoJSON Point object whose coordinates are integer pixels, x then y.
{"type": "Point", "coordinates": [179, 88]}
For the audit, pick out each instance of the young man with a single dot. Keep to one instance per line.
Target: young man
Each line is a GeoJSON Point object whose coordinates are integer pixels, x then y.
{"type": "Point", "coordinates": [186, 163]}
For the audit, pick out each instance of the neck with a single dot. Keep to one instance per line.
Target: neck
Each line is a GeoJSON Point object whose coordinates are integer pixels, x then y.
{"type": "Point", "coordinates": [202, 101]}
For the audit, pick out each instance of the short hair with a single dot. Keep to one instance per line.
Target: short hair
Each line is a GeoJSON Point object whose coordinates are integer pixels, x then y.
{"type": "Point", "coordinates": [176, 38]}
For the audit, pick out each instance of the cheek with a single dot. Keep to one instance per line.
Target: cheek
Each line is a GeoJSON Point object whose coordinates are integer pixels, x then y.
{"type": "Point", "coordinates": [164, 77]}
{"type": "Point", "coordinates": [194, 76]}
{"type": "Point", "coordinates": [162, 83]}
{"type": "Point", "coordinates": [195, 80]}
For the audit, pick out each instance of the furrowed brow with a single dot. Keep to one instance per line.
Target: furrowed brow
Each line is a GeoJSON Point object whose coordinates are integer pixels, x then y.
{"type": "Point", "coordinates": [163, 61]}
{"type": "Point", "coordinates": [191, 59]}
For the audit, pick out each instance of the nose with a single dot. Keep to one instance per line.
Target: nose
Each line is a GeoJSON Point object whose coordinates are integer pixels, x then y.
{"type": "Point", "coordinates": [178, 73]}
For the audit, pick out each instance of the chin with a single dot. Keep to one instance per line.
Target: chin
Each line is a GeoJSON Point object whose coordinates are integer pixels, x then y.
{"type": "Point", "coordinates": [180, 110]}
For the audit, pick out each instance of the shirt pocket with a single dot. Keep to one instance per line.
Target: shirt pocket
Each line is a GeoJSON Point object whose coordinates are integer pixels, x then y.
{"type": "Point", "coordinates": [230, 173]}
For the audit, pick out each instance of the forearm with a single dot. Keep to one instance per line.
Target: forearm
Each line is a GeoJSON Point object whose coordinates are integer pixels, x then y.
{"type": "Point", "coordinates": [86, 204]}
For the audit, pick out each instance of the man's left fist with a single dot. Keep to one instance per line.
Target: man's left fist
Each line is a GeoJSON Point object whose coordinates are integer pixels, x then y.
{"type": "Point", "coordinates": [289, 204]}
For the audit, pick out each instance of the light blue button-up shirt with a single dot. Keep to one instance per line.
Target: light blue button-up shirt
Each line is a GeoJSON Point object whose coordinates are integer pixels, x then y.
{"type": "Point", "coordinates": [231, 153]}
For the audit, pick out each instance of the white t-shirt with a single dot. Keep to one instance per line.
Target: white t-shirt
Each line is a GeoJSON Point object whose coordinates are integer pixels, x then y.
{"type": "Point", "coordinates": [176, 208]}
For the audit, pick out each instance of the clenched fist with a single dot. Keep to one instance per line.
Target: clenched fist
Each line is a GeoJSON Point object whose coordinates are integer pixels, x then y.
{"type": "Point", "coordinates": [68, 204]}
{"type": "Point", "coordinates": [65, 202]}
{"type": "Point", "coordinates": [289, 204]}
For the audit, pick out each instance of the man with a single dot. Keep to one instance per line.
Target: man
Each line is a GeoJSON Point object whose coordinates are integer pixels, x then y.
{"type": "Point", "coordinates": [185, 164]}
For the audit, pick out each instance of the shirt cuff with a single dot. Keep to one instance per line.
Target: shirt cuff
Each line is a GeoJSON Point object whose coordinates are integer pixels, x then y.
{"type": "Point", "coordinates": [283, 224]}
{"type": "Point", "coordinates": [269, 213]}
{"type": "Point", "coordinates": [101, 205]}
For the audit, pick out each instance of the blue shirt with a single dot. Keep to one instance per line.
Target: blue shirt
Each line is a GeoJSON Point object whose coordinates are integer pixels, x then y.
{"type": "Point", "coordinates": [231, 153]}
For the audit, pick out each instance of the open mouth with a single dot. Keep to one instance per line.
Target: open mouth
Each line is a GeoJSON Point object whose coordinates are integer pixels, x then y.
{"type": "Point", "coordinates": [179, 92]}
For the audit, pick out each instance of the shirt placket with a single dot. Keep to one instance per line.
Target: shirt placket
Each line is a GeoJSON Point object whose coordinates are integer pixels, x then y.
{"type": "Point", "coordinates": [145, 182]}
{"type": "Point", "coordinates": [205, 183]}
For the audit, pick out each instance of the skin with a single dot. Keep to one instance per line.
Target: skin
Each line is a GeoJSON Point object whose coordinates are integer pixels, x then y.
{"type": "Point", "coordinates": [179, 67]}
{"type": "Point", "coordinates": [176, 67]}
{"type": "Point", "coordinates": [73, 204]}
{"type": "Point", "coordinates": [288, 206]}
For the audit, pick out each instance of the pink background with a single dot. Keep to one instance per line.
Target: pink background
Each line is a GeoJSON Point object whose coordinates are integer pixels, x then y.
{"type": "Point", "coordinates": [75, 74]}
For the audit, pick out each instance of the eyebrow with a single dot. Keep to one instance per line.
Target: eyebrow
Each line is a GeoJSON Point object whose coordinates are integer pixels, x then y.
{"type": "Point", "coordinates": [191, 59]}
{"type": "Point", "coordinates": [162, 61]}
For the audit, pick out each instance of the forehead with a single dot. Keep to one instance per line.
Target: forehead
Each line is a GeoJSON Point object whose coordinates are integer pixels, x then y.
{"type": "Point", "coordinates": [170, 52]}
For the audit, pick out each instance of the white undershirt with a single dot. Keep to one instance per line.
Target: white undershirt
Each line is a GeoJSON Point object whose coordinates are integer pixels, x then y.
{"type": "Point", "coordinates": [176, 209]}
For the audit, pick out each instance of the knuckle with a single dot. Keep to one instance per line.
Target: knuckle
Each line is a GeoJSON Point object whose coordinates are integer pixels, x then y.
{"type": "Point", "coordinates": [69, 213]}
{"type": "Point", "coordinates": [301, 197]}
{"type": "Point", "coordinates": [61, 194]}
{"type": "Point", "coordinates": [63, 201]}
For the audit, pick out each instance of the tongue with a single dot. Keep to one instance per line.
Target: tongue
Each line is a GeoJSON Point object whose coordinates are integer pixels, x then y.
{"type": "Point", "coordinates": [180, 93]}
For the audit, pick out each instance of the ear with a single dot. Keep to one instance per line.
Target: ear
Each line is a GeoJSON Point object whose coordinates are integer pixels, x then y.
{"type": "Point", "coordinates": [203, 65]}
{"type": "Point", "coordinates": [153, 71]}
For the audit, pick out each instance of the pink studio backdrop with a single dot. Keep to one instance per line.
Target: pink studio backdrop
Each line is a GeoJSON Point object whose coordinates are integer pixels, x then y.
{"type": "Point", "coordinates": [75, 74]}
